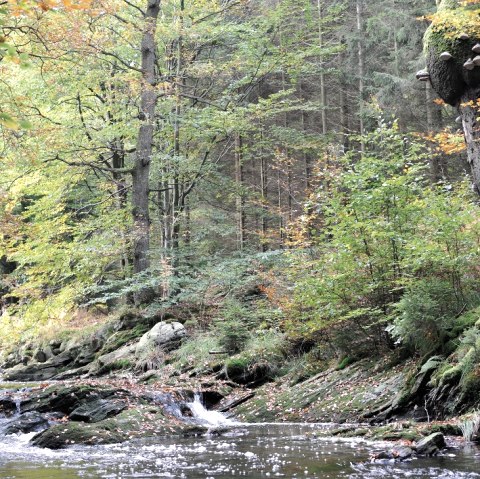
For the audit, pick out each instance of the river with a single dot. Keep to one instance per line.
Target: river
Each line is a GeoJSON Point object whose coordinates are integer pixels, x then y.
{"type": "Point", "coordinates": [249, 451]}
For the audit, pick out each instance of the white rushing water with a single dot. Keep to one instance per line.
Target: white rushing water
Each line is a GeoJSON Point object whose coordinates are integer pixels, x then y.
{"type": "Point", "coordinates": [207, 417]}
{"type": "Point", "coordinates": [291, 451]}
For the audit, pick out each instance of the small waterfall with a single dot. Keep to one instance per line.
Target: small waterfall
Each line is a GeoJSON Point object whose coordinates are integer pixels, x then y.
{"type": "Point", "coordinates": [204, 416]}
{"type": "Point", "coordinates": [191, 411]}
{"type": "Point", "coordinates": [18, 404]}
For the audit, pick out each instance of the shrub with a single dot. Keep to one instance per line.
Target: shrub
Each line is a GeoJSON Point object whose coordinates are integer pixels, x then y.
{"type": "Point", "coordinates": [233, 328]}
{"type": "Point", "coordinates": [425, 314]}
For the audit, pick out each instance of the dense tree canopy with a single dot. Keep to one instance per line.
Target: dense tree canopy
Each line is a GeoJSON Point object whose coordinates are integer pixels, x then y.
{"type": "Point", "coordinates": [152, 151]}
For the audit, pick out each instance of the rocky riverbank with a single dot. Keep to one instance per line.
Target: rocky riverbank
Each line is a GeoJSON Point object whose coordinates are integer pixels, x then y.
{"type": "Point", "coordinates": [117, 383]}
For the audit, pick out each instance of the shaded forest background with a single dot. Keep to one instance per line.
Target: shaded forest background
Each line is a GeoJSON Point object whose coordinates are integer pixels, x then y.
{"type": "Point", "coordinates": [268, 171]}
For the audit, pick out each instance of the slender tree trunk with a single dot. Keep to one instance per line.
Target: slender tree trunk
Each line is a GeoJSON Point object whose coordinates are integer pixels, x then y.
{"type": "Point", "coordinates": [361, 69]}
{"type": "Point", "coordinates": [240, 198]}
{"type": "Point", "coordinates": [264, 195]}
{"type": "Point", "coordinates": [434, 122]}
{"type": "Point", "coordinates": [344, 113]}
{"type": "Point", "coordinates": [471, 128]}
{"type": "Point", "coordinates": [280, 207]}
{"type": "Point", "coordinates": [323, 94]}
{"type": "Point", "coordinates": [141, 173]}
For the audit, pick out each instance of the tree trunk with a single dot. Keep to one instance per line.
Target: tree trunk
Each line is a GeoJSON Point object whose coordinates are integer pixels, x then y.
{"type": "Point", "coordinates": [240, 199]}
{"type": "Point", "coordinates": [344, 113]}
{"type": "Point", "coordinates": [323, 95]}
{"type": "Point", "coordinates": [361, 69]}
{"type": "Point", "coordinates": [264, 193]}
{"type": "Point", "coordinates": [471, 128]}
{"type": "Point", "coordinates": [141, 173]}
{"type": "Point", "coordinates": [434, 123]}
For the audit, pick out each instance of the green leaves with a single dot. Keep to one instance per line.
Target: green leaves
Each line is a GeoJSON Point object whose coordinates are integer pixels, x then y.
{"type": "Point", "coordinates": [387, 231]}
{"type": "Point", "coordinates": [11, 123]}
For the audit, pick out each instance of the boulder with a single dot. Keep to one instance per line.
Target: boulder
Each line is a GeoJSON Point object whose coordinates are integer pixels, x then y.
{"type": "Point", "coordinates": [112, 361]}
{"type": "Point", "coordinates": [65, 399]}
{"type": "Point", "coordinates": [97, 410]}
{"type": "Point", "coordinates": [431, 445]}
{"type": "Point", "coordinates": [43, 354]}
{"type": "Point", "coordinates": [402, 453]}
{"type": "Point", "coordinates": [38, 371]}
{"type": "Point", "coordinates": [28, 422]}
{"type": "Point", "coordinates": [163, 335]}
{"type": "Point", "coordinates": [8, 405]}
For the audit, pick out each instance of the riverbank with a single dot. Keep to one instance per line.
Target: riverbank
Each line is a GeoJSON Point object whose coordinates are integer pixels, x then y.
{"type": "Point", "coordinates": [136, 377]}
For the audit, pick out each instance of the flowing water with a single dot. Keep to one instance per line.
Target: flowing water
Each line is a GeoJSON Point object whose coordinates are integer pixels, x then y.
{"type": "Point", "coordinates": [252, 451]}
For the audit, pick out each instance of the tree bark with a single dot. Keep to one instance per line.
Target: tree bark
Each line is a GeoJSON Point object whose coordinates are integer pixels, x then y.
{"type": "Point", "coordinates": [434, 123]}
{"type": "Point", "coordinates": [361, 70]}
{"type": "Point", "coordinates": [240, 199]}
{"type": "Point", "coordinates": [323, 95]}
{"type": "Point", "coordinates": [141, 173]}
{"type": "Point", "coordinates": [469, 111]}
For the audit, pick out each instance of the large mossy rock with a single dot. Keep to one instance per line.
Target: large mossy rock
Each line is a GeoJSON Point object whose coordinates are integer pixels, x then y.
{"type": "Point", "coordinates": [66, 399]}
{"type": "Point", "coordinates": [138, 422]}
{"type": "Point", "coordinates": [38, 371]}
{"type": "Point", "coordinates": [163, 335]}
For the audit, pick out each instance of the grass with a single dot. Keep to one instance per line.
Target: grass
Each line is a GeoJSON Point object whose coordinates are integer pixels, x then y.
{"type": "Point", "coordinates": [471, 426]}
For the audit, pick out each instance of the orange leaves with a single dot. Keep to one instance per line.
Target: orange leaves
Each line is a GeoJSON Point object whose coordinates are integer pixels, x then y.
{"type": "Point", "coordinates": [447, 142]}
{"type": "Point", "coordinates": [24, 7]}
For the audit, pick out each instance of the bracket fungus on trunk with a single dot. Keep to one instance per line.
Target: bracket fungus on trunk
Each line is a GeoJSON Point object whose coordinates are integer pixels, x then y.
{"type": "Point", "coordinates": [423, 75]}
{"type": "Point", "coordinates": [445, 56]}
{"type": "Point", "coordinates": [449, 41]}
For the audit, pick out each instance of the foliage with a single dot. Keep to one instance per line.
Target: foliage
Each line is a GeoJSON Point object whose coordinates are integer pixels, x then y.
{"type": "Point", "coordinates": [232, 328]}
{"type": "Point", "coordinates": [392, 248]}
{"type": "Point", "coordinates": [470, 426]}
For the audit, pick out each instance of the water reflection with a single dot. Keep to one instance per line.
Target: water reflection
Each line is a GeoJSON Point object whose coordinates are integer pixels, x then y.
{"type": "Point", "coordinates": [256, 451]}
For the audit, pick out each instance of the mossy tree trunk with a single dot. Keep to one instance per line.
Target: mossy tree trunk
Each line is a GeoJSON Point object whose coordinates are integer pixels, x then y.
{"type": "Point", "coordinates": [452, 47]}
{"type": "Point", "coordinates": [469, 111]}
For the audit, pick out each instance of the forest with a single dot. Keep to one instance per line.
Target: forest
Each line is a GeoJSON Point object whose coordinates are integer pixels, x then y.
{"type": "Point", "coordinates": [243, 197]}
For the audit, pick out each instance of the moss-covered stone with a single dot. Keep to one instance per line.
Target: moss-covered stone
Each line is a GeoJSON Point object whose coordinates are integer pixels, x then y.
{"type": "Point", "coordinates": [137, 422]}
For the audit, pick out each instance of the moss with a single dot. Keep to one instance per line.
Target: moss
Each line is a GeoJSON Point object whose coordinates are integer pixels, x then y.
{"type": "Point", "coordinates": [447, 25]}
{"type": "Point", "coordinates": [141, 421]}
{"type": "Point", "coordinates": [451, 375]}
{"type": "Point", "coordinates": [118, 365]}
{"type": "Point", "coordinates": [237, 366]}
{"type": "Point", "coordinates": [346, 361]}
{"type": "Point", "coordinates": [120, 338]}
{"type": "Point", "coordinates": [470, 385]}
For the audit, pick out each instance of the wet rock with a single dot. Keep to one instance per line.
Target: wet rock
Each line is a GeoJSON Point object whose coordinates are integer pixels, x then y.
{"type": "Point", "coordinates": [139, 422]}
{"type": "Point", "coordinates": [38, 371]}
{"type": "Point", "coordinates": [8, 405]}
{"type": "Point", "coordinates": [97, 410]}
{"type": "Point", "coordinates": [402, 453]}
{"type": "Point", "coordinates": [431, 444]}
{"type": "Point", "coordinates": [62, 435]}
{"type": "Point", "coordinates": [111, 361]}
{"type": "Point", "coordinates": [383, 455]}
{"type": "Point", "coordinates": [65, 399]}
{"type": "Point", "coordinates": [163, 335]}
{"type": "Point", "coordinates": [28, 422]}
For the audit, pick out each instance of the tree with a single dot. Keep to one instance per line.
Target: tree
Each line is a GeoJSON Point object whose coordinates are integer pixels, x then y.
{"type": "Point", "coordinates": [452, 44]}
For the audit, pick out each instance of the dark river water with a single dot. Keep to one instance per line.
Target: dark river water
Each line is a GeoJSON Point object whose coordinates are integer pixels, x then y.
{"type": "Point", "coordinates": [253, 451]}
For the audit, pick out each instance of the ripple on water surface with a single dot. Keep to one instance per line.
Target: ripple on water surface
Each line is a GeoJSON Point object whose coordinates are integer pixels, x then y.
{"type": "Point", "coordinates": [256, 451]}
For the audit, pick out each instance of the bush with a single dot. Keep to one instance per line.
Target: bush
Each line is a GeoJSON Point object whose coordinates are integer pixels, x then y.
{"type": "Point", "coordinates": [233, 328]}
{"type": "Point", "coordinates": [425, 315]}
